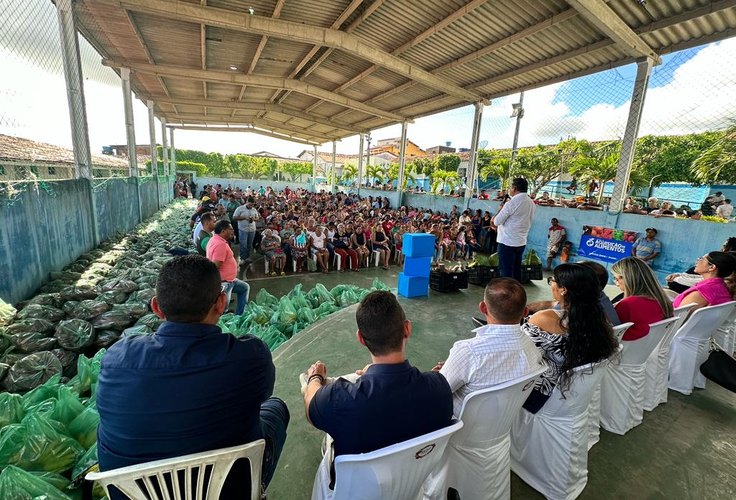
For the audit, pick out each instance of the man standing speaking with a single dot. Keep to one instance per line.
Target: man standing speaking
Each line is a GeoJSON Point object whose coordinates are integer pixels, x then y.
{"type": "Point", "coordinates": [513, 222]}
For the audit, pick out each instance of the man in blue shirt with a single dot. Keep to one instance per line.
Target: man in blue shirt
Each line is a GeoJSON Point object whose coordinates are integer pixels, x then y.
{"type": "Point", "coordinates": [392, 401]}
{"type": "Point", "coordinates": [647, 248]}
{"type": "Point", "coordinates": [189, 388]}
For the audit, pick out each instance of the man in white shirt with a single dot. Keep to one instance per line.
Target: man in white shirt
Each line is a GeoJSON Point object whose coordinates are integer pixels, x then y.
{"type": "Point", "coordinates": [246, 217]}
{"type": "Point", "coordinates": [499, 352]}
{"type": "Point", "coordinates": [513, 222]}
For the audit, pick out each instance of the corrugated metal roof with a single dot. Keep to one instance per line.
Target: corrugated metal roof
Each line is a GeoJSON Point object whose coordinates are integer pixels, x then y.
{"type": "Point", "coordinates": [432, 55]}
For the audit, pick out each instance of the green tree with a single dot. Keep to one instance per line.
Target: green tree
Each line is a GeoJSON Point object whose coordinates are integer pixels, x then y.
{"type": "Point", "coordinates": [423, 166]}
{"type": "Point", "coordinates": [670, 158]}
{"type": "Point", "coordinates": [447, 162]}
{"type": "Point", "coordinates": [538, 165]}
{"type": "Point", "coordinates": [349, 173]}
{"type": "Point", "coordinates": [494, 167]}
{"type": "Point", "coordinates": [295, 169]}
{"type": "Point", "coordinates": [717, 164]}
{"type": "Point", "coordinates": [445, 180]}
{"type": "Point", "coordinates": [392, 174]}
{"type": "Point", "coordinates": [375, 173]}
{"type": "Point", "coordinates": [602, 168]}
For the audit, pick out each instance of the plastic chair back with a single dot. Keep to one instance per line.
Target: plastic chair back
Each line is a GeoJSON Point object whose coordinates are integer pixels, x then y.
{"type": "Point", "coordinates": [198, 476]}
{"type": "Point", "coordinates": [585, 380]}
{"type": "Point", "coordinates": [681, 313]}
{"type": "Point", "coordinates": [636, 352]}
{"type": "Point", "coordinates": [704, 322]}
{"type": "Point", "coordinates": [620, 330]}
{"type": "Point", "coordinates": [655, 386]}
{"type": "Point", "coordinates": [489, 413]}
{"type": "Point", "coordinates": [395, 472]}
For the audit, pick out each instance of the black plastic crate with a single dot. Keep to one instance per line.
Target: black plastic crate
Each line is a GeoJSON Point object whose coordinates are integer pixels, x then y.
{"type": "Point", "coordinates": [533, 272]}
{"type": "Point", "coordinates": [481, 275]}
{"type": "Point", "coordinates": [448, 282]}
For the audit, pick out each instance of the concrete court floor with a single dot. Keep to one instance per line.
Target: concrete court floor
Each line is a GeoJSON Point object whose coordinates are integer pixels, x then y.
{"type": "Point", "coordinates": [684, 449]}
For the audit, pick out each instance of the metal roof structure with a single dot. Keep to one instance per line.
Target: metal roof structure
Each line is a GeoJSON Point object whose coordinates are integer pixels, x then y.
{"type": "Point", "coordinates": [314, 71]}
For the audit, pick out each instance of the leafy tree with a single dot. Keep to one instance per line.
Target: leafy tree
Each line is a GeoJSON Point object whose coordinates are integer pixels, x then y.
{"type": "Point", "coordinates": [447, 162]}
{"type": "Point", "coordinates": [349, 173]}
{"type": "Point", "coordinates": [446, 180]}
{"type": "Point", "coordinates": [717, 164]}
{"type": "Point", "coordinates": [392, 174]}
{"type": "Point", "coordinates": [423, 166]}
{"type": "Point", "coordinates": [495, 167]}
{"type": "Point", "coordinates": [296, 169]}
{"type": "Point", "coordinates": [670, 158]}
{"type": "Point", "coordinates": [538, 165]}
{"type": "Point", "coordinates": [602, 168]}
{"type": "Point", "coordinates": [375, 173]}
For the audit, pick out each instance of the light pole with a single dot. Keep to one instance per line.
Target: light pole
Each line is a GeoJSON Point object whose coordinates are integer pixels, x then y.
{"type": "Point", "coordinates": [518, 113]}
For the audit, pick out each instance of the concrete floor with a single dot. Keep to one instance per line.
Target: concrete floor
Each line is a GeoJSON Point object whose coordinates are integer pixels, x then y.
{"type": "Point", "coordinates": [684, 449]}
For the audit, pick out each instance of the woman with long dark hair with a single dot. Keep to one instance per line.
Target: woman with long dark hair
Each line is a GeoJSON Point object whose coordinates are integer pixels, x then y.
{"type": "Point", "coordinates": [577, 334]}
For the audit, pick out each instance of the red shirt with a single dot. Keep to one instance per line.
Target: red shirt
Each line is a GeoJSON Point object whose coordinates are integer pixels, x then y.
{"type": "Point", "coordinates": [642, 311]}
{"type": "Point", "coordinates": [218, 250]}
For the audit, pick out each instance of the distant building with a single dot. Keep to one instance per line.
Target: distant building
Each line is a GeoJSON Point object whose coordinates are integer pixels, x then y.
{"type": "Point", "coordinates": [438, 150]}
{"type": "Point", "coordinates": [393, 146]}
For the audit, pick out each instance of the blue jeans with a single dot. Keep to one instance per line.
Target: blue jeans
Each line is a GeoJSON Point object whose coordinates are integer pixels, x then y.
{"type": "Point", "coordinates": [241, 289]}
{"type": "Point", "coordinates": [274, 421]}
{"type": "Point", "coordinates": [246, 243]}
{"type": "Point", "coordinates": [509, 261]}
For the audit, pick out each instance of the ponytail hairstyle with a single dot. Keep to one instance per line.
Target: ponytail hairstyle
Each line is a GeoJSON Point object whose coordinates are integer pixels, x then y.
{"type": "Point", "coordinates": [725, 263]}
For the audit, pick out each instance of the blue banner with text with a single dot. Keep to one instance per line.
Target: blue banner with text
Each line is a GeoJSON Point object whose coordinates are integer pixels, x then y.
{"type": "Point", "coordinates": [603, 249]}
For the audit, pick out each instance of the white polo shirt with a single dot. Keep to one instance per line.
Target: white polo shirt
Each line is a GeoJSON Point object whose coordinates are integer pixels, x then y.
{"type": "Point", "coordinates": [514, 220]}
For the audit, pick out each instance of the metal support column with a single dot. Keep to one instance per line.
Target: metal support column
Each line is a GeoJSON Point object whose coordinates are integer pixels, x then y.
{"type": "Point", "coordinates": [172, 161]}
{"type": "Point", "coordinates": [77, 109]}
{"type": "Point", "coordinates": [519, 114]}
{"type": "Point", "coordinates": [402, 162]}
{"type": "Point", "coordinates": [334, 160]}
{"type": "Point", "coordinates": [471, 174]}
{"type": "Point", "coordinates": [154, 153]}
{"type": "Point", "coordinates": [314, 169]}
{"type": "Point", "coordinates": [628, 145]}
{"type": "Point", "coordinates": [130, 135]}
{"type": "Point", "coordinates": [165, 147]}
{"type": "Point", "coordinates": [360, 161]}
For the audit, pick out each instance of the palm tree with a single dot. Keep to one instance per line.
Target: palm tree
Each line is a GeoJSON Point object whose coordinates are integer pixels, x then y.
{"type": "Point", "coordinates": [375, 172]}
{"type": "Point", "coordinates": [446, 180]}
{"type": "Point", "coordinates": [603, 169]}
{"type": "Point", "coordinates": [718, 162]}
{"type": "Point", "coordinates": [349, 172]}
{"type": "Point", "coordinates": [392, 174]}
{"type": "Point", "coordinates": [498, 168]}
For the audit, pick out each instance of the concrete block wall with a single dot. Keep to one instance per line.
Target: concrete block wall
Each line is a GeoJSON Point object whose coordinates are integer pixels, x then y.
{"type": "Point", "coordinates": [45, 226]}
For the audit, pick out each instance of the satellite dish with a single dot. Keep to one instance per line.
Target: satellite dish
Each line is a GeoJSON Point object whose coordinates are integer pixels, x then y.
{"type": "Point", "coordinates": [482, 144]}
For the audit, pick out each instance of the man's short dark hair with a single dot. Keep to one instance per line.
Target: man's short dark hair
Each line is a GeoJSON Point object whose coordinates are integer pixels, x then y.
{"type": "Point", "coordinates": [221, 226]}
{"type": "Point", "coordinates": [207, 217]}
{"type": "Point", "coordinates": [381, 322]}
{"type": "Point", "coordinates": [505, 299]}
{"type": "Point", "coordinates": [520, 184]}
{"type": "Point", "coordinates": [187, 288]}
{"type": "Point", "coordinates": [600, 272]}
{"type": "Point", "coordinates": [727, 200]}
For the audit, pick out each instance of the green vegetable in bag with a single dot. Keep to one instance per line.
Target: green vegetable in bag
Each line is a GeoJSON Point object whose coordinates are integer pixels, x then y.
{"type": "Point", "coordinates": [88, 309]}
{"type": "Point", "coordinates": [30, 325]}
{"type": "Point", "coordinates": [84, 463]}
{"type": "Point", "coordinates": [325, 310]}
{"type": "Point", "coordinates": [43, 312]}
{"type": "Point", "coordinates": [285, 313]}
{"type": "Point", "coordinates": [31, 342]}
{"type": "Point", "coordinates": [44, 392]}
{"type": "Point", "coordinates": [32, 371]}
{"type": "Point", "coordinates": [256, 314]}
{"type": "Point", "coordinates": [150, 320]}
{"type": "Point", "coordinates": [17, 484]}
{"type": "Point", "coordinates": [11, 408]}
{"type": "Point", "coordinates": [84, 427]}
{"type": "Point", "coordinates": [75, 334]}
{"type": "Point", "coordinates": [67, 407]}
{"type": "Point", "coordinates": [87, 372]}
{"type": "Point", "coordinates": [319, 295]}
{"type": "Point", "coordinates": [7, 313]}
{"type": "Point", "coordinates": [379, 285]}
{"type": "Point", "coordinates": [38, 444]}
{"type": "Point", "coordinates": [493, 260]}
{"type": "Point", "coordinates": [531, 258]}
{"type": "Point", "coordinates": [265, 299]}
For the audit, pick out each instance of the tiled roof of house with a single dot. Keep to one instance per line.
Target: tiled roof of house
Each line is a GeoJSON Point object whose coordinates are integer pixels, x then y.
{"type": "Point", "coordinates": [18, 149]}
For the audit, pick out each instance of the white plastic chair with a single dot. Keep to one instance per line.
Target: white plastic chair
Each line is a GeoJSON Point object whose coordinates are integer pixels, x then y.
{"type": "Point", "coordinates": [477, 462]}
{"type": "Point", "coordinates": [198, 476]}
{"type": "Point", "coordinates": [622, 389]}
{"type": "Point", "coordinates": [594, 409]}
{"type": "Point", "coordinates": [549, 449]}
{"type": "Point", "coordinates": [690, 346]}
{"type": "Point", "coordinates": [655, 385]}
{"type": "Point", "coordinates": [395, 472]}
{"type": "Point", "coordinates": [725, 336]}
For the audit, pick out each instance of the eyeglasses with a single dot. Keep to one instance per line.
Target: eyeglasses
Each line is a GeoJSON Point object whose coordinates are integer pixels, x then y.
{"type": "Point", "coordinates": [551, 280]}
{"type": "Point", "coordinates": [705, 258]}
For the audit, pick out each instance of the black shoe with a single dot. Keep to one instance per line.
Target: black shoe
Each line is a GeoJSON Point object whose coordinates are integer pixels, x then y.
{"type": "Point", "coordinates": [478, 322]}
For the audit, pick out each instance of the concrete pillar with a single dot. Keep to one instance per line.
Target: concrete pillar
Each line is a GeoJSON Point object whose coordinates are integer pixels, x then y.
{"type": "Point", "coordinates": [152, 134]}
{"type": "Point", "coordinates": [472, 172]}
{"type": "Point", "coordinates": [402, 161]}
{"type": "Point", "coordinates": [130, 136]}
{"type": "Point", "coordinates": [74, 88]}
{"type": "Point", "coordinates": [334, 158]}
{"type": "Point", "coordinates": [314, 167]}
{"type": "Point", "coordinates": [165, 146]}
{"type": "Point", "coordinates": [515, 146]}
{"type": "Point", "coordinates": [129, 123]}
{"type": "Point", "coordinates": [628, 145]}
{"type": "Point", "coordinates": [360, 161]}
{"type": "Point", "coordinates": [172, 162]}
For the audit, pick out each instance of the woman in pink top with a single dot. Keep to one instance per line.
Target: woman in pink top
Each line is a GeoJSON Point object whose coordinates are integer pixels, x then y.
{"type": "Point", "coordinates": [644, 300]}
{"type": "Point", "coordinates": [717, 287]}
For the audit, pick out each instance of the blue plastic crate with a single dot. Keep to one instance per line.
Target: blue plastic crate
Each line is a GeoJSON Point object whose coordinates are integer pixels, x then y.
{"type": "Point", "coordinates": [413, 286]}
{"type": "Point", "coordinates": [417, 266]}
{"type": "Point", "coordinates": [418, 245]}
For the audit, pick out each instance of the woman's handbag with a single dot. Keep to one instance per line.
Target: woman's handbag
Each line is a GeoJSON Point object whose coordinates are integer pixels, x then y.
{"type": "Point", "coordinates": [720, 367]}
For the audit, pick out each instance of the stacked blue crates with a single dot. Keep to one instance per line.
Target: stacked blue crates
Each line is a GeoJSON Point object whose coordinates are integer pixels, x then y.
{"type": "Point", "coordinates": [418, 249]}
